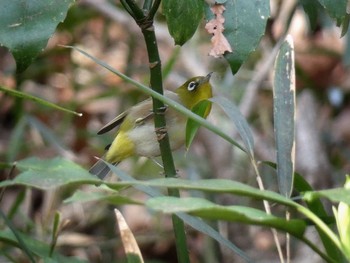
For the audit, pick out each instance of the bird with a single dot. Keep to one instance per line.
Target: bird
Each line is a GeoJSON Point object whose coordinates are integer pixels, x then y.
{"type": "Point", "coordinates": [136, 135]}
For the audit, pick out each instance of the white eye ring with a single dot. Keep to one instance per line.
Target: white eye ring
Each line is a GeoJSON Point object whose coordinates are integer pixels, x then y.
{"type": "Point", "coordinates": [192, 85]}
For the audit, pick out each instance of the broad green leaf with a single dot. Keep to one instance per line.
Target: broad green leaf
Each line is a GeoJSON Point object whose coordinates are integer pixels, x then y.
{"type": "Point", "coordinates": [284, 116]}
{"type": "Point", "coordinates": [183, 17]}
{"type": "Point", "coordinates": [26, 26]}
{"type": "Point", "coordinates": [39, 248]}
{"type": "Point", "coordinates": [191, 126]}
{"type": "Point", "coordinates": [110, 197]}
{"type": "Point", "coordinates": [239, 121]}
{"type": "Point", "coordinates": [311, 9]}
{"type": "Point", "coordinates": [38, 100]}
{"type": "Point", "coordinates": [335, 9]}
{"type": "Point", "coordinates": [245, 23]}
{"type": "Point", "coordinates": [50, 173]}
{"type": "Point", "coordinates": [206, 209]}
{"type": "Point", "coordinates": [188, 219]}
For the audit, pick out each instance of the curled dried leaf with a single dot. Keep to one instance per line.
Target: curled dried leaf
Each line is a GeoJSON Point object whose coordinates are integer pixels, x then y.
{"type": "Point", "coordinates": [215, 26]}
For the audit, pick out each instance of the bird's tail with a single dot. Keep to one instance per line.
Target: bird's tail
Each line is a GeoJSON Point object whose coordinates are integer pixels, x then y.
{"type": "Point", "coordinates": [100, 169]}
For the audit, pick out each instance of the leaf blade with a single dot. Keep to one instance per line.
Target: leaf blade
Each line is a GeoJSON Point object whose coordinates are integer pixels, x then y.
{"type": "Point", "coordinates": [38, 100]}
{"type": "Point", "coordinates": [183, 17]}
{"type": "Point", "coordinates": [284, 116]}
{"type": "Point", "coordinates": [28, 26]}
{"type": "Point", "coordinates": [245, 23]}
{"type": "Point", "coordinates": [239, 121]}
{"type": "Point", "coordinates": [206, 209]}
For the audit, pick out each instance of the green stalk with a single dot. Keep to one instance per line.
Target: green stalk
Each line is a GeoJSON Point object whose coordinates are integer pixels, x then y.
{"type": "Point", "coordinates": [156, 83]}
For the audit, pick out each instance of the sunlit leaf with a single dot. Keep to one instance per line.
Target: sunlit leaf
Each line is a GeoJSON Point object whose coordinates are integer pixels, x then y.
{"type": "Point", "coordinates": [130, 245]}
{"type": "Point", "coordinates": [242, 214]}
{"type": "Point", "coordinates": [335, 195]}
{"type": "Point", "coordinates": [50, 173]}
{"type": "Point", "coordinates": [111, 198]}
{"type": "Point", "coordinates": [188, 219]}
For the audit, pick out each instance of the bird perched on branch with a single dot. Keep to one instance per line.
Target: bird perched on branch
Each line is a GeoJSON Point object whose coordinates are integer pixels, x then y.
{"type": "Point", "coordinates": [136, 135]}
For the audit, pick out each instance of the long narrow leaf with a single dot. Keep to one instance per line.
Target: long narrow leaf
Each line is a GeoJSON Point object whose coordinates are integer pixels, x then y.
{"type": "Point", "coordinates": [21, 243]}
{"type": "Point", "coordinates": [38, 100]}
{"type": "Point", "coordinates": [240, 122]}
{"type": "Point", "coordinates": [16, 139]}
{"type": "Point", "coordinates": [284, 115]}
{"type": "Point", "coordinates": [194, 222]}
{"type": "Point", "coordinates": [316, 206]}
{"type": "Point", "coordinates": [53, 140]}
{"type": "Point", "coordinates": [206, 209]}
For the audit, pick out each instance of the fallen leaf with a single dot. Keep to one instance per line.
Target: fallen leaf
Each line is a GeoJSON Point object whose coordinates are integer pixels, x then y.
{"type": "Point", "coordinates": [220, 45]}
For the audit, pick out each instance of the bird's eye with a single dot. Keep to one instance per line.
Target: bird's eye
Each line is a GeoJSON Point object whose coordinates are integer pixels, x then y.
{"type": "Point", "coordinates": [192, 85]}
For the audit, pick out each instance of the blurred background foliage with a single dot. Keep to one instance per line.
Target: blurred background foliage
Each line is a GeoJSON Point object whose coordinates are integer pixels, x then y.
{"type": "Point", "coordinates": [65, 77]}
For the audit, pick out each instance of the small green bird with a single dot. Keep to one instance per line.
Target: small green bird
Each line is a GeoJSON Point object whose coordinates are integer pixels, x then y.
{"type": "Point", "coordinates": [136, 135]}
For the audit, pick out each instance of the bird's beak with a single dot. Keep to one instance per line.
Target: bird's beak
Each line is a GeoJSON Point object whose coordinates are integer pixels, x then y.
{"type": "Point", "coordinates": [207, 77]}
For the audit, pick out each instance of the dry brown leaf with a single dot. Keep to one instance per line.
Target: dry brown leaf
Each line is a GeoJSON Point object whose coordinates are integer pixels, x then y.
{"type": "Point", "coordinates": [220, 45]}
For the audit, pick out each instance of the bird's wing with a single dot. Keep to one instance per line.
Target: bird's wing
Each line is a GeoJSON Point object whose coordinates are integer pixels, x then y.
{"type": "Point", "coordinates": [113, 123]}
{"type": "Point", "coordinates": [139, 114]}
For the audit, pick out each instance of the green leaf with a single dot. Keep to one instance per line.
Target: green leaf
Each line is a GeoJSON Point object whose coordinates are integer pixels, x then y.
{"type": "Point", "coordinates": [311, 9]}
{"type": "Point", "coordinates": [50, 173]}
{"type": "Point", "coordinates": [183, 17]}
{"type": "Point", "coordinates": [335, 9]}
{"type": "Point", "coordinates": [112, 198]}
{"type": "Point", "coordinates": [245, 23]}
{"type": "Point", "coordinates": [206, 209]}
{"type": "Point", "coordinates": [316, 206]}
{"type": "Point", "coordinates": [188, 219]}
{"type": "Point", "coordinates": [284, 116]}
{"type": "Point", "coordinates": [18, 238]}
{"type": "Point", "coordinates": [219, 186]}
{"type": "Point", "coordinates": [39, 248]}
{"type": "Point", "coordinates": [335, 195]}
{"type": "Point", "coordinates": [209, 185]}
{"type": "Point", "coordinates": [191, 126]}
{"type": "Point", "coordinates": [16, 140]}
{"type": "Point", "coordinates": [240, 122]}
{"type": "Point", "coordinates": [38, 100]}
{"type": "Point", "coordinates": [26, 26]}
